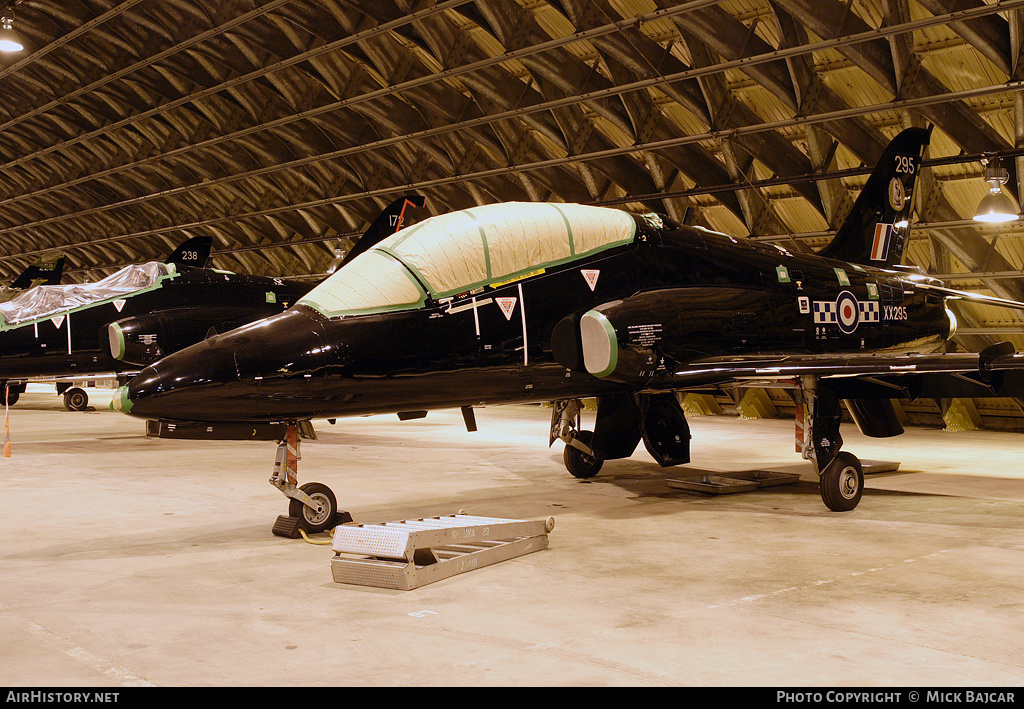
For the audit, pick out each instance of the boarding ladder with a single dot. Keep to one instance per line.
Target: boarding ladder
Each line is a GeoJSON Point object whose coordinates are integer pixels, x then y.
{"type": "Point", "coordinates": [411, 553]}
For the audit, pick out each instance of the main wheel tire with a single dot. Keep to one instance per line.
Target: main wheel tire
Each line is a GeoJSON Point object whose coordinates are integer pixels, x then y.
{"type": "Point", "coordinates": [309, 519]}
{"type": "Point", "coordinates": [578, 463]}
{"type": "Point", "coordinates": [76, 399]}
{"type": "Point", "coordinates": [842, 483]}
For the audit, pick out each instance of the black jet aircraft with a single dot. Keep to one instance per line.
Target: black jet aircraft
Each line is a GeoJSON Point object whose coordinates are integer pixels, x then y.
{"type": "Point", "coordinates": [142, 312]}
{"type": "Point", "coordinates": [537, 302]}
{"type": "Point", "coordinates": [60, 332]}
{"type": "Point", "coordinates": [143, 339]}
{"type": "Point", "coordinates": [36, 340]}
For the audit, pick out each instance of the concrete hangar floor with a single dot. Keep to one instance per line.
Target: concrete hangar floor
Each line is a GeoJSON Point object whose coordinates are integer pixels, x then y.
{"type": "Point", "coordinates": [129, 560]}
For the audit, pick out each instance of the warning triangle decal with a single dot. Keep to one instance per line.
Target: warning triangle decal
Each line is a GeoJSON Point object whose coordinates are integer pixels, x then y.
{"type": "Point", "coordinates": [590, 276]}
{"type": "Point", "coordinates": [507, 305]}
{"type": "Point", "coordinates": [57, 321]}
{"type": "Point", "coordinates": [119, 303]}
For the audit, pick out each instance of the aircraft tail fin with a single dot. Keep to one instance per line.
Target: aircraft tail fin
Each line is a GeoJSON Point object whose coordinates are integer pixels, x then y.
{"type": "Point", "coordinates": [46, 273]}
{"type": "Point", "coordinates": [193, 252]}
{"type": "Point", "coordinates": [394, 217]}
{"type": "Point", "coordinates": [875, 231]}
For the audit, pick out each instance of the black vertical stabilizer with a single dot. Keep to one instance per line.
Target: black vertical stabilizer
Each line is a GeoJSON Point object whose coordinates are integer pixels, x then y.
{"type": "Point", "coordinates": [41, 273]}
{"type": "Point", "coordinates": [876, 230]}
{"type": "Point", "coordinates": [194, 252]}
{"type": "Point", "coordinates": [394, 217]}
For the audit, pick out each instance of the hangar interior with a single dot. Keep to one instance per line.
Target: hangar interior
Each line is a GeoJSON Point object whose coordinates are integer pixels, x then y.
{"type": "Point", "coordinates": [281, 128]}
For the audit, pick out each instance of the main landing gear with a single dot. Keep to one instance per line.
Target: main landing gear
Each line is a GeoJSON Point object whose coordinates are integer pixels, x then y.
{"type": "Point", "coordinates": [12, 391]}
{"type": "Point", "coordinates": [580, 459]}
{"type": "Point", "coordinates": [840, 474]}
{"type": "Point", "coordinates": [75, 398]}
{"type": "Point", "coordinates": [312, 507]}
{"type": "Point", "coordinates": [623, 420]}
{"type": "Point", "coordinates": [660, 422]}
{"type": "Point", "coordinates": [842, 482]}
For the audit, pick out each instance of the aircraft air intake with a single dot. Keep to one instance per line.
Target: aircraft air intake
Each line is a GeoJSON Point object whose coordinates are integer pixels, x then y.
{"type": "Point", "coordinates": [600, 344]}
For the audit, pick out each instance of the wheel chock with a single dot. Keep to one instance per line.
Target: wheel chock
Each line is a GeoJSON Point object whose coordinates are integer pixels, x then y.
{"type": "Point", "coordinates": [879, 466]}
{"type": "Point", "coordinates": [290, 527]}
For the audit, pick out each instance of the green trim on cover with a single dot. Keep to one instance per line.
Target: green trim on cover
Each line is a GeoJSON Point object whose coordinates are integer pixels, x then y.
{"type": "Point", "coordinates": [120, 401]}
{"type": "Point", "coordinates": [504, 279]}
{"type": "Point", "coordinates": [323, 310]}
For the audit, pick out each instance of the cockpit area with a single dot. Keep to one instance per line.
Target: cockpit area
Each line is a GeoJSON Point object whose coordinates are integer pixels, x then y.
{"type": "Point", "coordinates": [466, 250]}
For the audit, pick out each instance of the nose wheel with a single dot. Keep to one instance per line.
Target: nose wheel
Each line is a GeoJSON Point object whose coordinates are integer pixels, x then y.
{"type": "Point", "coordinates": [312, 507]}
{"type": "Point", "coordinates": [318, 516]}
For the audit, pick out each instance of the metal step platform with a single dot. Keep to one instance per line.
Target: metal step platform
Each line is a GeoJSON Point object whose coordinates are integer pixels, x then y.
{"type": "Point", "coordinates": [411, 553]}
{"type": "Point", "coordinates": [729, 483]}
{"type": "Point", "coordinates": [879, 466]}
{"type": "Point", "coordinates": [749, 481]}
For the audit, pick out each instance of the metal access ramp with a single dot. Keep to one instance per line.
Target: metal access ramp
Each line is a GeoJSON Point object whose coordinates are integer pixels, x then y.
{"type": "Point", "coordinates": [411, 553]}
{"type": "Point", "coordinates": [728, 483]}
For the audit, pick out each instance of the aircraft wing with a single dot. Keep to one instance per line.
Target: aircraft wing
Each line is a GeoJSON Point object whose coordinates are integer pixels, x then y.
{"type": "Point", "coordinates": [938, 374]}
{"type": "Point", "coordinates": [954, 294]}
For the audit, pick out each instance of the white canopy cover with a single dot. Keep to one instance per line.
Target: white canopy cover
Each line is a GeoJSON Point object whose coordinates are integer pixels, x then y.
{"type": "Point", "coordinates": [457, 252]}
{"type": "Point", "coordinates": [48, 301]}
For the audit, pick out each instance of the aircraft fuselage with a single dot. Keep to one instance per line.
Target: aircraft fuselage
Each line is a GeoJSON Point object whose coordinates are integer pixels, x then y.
{"type": "Point", "coordinates": [179, 308]}
{"type": "Point", "coordinates": [494, 343]}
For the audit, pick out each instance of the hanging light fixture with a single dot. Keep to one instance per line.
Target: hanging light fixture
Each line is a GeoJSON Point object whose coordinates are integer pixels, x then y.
{"type": "Point", "coordinates": [339, 256]}
{"type": "Point", "coordinates": [9, 41]}
{"type": "Point", "coordinates": [998, 205]}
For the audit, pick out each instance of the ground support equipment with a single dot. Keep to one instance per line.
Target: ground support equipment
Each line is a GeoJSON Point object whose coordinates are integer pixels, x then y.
{"type": "Point", "coordinates": [411, 553]}
{"type": "Point", "coordinates": [727, 483]}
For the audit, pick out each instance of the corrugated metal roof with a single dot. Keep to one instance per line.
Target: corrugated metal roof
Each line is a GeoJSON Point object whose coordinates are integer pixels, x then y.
{"type": "Point", "coordinates": [282, 128]}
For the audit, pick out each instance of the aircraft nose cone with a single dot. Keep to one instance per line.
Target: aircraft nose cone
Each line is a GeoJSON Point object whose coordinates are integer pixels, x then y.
{"type": "Point", "coordinates": [171, 386]}
{"type": "Point", "coordinates": [268, 370]}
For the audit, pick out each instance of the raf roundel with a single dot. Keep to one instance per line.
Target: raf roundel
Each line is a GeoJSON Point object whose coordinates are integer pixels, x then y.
{"type": "Point", "coordinates": [847, 312]}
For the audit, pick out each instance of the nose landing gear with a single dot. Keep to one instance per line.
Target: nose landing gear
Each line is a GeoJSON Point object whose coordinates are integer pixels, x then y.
{"type": "Point", "coordinates": [312, 507]}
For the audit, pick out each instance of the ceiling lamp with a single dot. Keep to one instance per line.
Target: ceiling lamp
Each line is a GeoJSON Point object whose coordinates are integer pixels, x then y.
{"type": "Point", "coordinates": [339, 258]}
{"type": "Point", "coordinates": [9, 41]}
{"type": "Point", "coordinates": [998, 205]}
